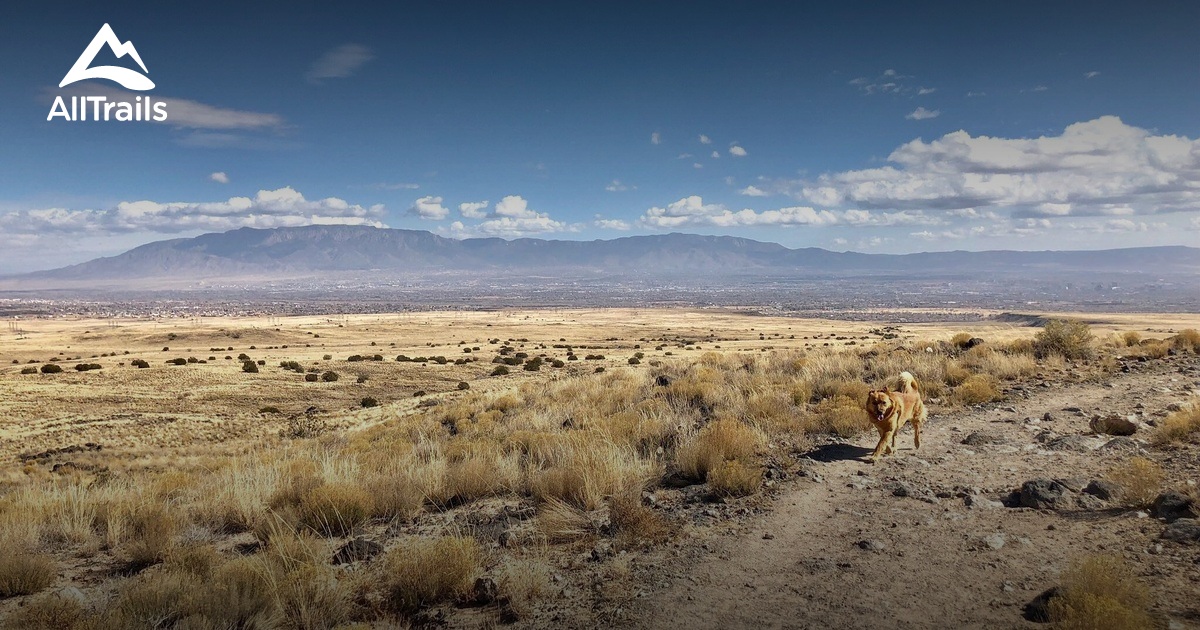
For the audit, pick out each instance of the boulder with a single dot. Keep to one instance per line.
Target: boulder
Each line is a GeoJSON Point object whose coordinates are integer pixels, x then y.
{"type": "Point", "coordinates": [1113, 424]}
{"type": "Point", "coordinates": [1101, 489]}
{"type": "Point", "coordinates": [1038, 609]}
{"type": "Point", "coordinates": [1073, 443]}
{"type": "Point", "coordinates": [1184, 530]}
{"type": "Point", "coordinates": [1046, 494]}
{"type": "Point", "coordinates": [1172, 505]}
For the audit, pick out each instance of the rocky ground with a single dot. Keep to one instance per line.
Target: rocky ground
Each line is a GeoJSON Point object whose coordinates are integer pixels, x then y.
{"type": "Point", "coordinates": [947, 536]}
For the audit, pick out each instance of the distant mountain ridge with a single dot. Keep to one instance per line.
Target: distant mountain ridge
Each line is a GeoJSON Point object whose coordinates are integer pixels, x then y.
{"type": "Point", "coordinates": [303, 251]}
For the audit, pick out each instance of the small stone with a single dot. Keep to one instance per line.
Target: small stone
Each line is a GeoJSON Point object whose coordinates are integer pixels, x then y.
{"type": "Point", "coordinates": [1102, 489]}
{"type": "Point", "coordinates": [1113, 424]}
{"type": "Point", "coordinates": [485, 591]}
{"type": "Point", "coordinates": [871, 545]}
{"type": "Point", "coordinates": [768, 536]}
{"type": "Point", "coordinates": [995, 541]}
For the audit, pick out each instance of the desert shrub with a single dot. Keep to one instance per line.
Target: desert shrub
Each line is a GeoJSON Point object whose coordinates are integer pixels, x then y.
{"type": "Point", "coordinates": [151, 535]}
{"type": "Point", "coordinates": [977, 389]}
{"type": "Point", "coordinates": [533, 365]}
{"type": "Point", "coordinates": [87, 367]}
{"type": "Point", "coordinates": [335, 509]}
{"type": "Point", "coordinates": [1179, 426]}
{"type": "Point", "coordinates": [250, 367]}
{"type": "Point", "coordinates": [312, 378]}
{"type": "Point", "coordinates": [50, 611]}
{"type": "Point", "coordinates": [1101, 592]}
{"type": "Point", "coordinates": [500, 371]}
{"type": "Point", "coordinates": [269, 409]}
{"type": "Point", "coordinates": [243, 357]}
{"type": "Point", "coordinates": [302, 426]}
{"type": "Point", "coordinates": [463, 386]}
{"type": "Point", "coordinates": [954, 373]}
{"type": "Point", "coordinates": [1070, 339]}
{"type": "Point", "coordinates": [23, 573]}
{"type": "Point", "coordinates": [717, 442]}
{"type": "Point", "coordinates": [960, 340]}
{"type": "Point", "coordinates": [50, 368]}
{"type": "Point", "coordinates": [140, 364]}
{"type": "Point", "coordinates": [1139, 479]}
{"type": "Point", "coordinates": [419, 393]}
{"type": "Point", "coordinates": [559, 522]}
{"type": "Point", "coordinates": [635, 522]}
{"type": "Point", "coordinates": [177, 361]}
{"type": "Point", "coordinates": [557, 363]}
{"type": "Point", "coordinates": [29, 370]}
{"type": "Point", "coordinates": [369, 402]}
{"type": "Point", "coordinates": [1188, 339]}
{"type": "Point", "coordinates": [735, 478]}
{"type": "Point", "coordinates": [1131, 338]}
{"type": "Point", "coordinates": [362, 378]}
{"type": "Point", "coordinates": [841, 415]}
{"type": "Point", "coordinates": [426, 571]}
{"type": "Point", "coordinates": [522, 582]}
{"type": "Point", "coordinates": [634, 361]}
{"type": "Point", "coordinates": [330, 377]}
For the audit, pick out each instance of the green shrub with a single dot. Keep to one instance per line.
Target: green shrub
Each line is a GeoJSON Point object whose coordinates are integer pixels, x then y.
{"type": "Point", "coordinates": [50, 368]}
{"type": "Point", "coordinates": [500, 371]}
{"type": "Point", "coordinates": [329, 377]}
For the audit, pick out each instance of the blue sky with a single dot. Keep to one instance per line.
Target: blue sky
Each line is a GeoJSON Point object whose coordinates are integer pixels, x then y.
{"type": "Point", "coordinates": [863, 126]}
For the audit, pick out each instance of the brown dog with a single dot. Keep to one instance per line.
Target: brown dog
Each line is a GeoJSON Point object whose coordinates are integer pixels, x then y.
{"type": "Point", "coordinates": [889, 411]}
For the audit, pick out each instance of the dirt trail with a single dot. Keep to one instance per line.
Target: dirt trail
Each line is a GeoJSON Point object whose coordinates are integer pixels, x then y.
{"type": "Point", "coordinates": [842, 549]}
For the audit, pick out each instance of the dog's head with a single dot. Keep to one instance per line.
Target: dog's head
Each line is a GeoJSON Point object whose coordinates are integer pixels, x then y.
{"type": "Point", "coordinates": [879, 404]}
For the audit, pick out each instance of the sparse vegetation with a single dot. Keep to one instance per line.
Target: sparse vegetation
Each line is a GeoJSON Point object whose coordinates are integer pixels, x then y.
{"type": "Point", "coordinates": [1101, 592]}
{"type": "Point", "coordinates": [1139, 479]}
{"type": "Point", "coordinates": [1179, 426]}
{"type": "Point", "coordinates": [1069, 339]}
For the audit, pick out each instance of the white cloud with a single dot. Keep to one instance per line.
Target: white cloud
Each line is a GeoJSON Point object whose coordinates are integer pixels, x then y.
{"type": "Point", "coordinates": [890, 82]}
{"type": "Point", "coordinates": [474, 209]}
{"type": "Point", "coordinates": [339, 63]}
{"type": "Point", "coordinates": [617, 186]}
{"type": "Point", "coordinates": [1091, 75]}
{"type": "Point", "coordinates": [923, 91]}
{"type": "Point", "coordinates": [697, 165]}
{"type": "Point", "coordinates": [611, 224]}
{"type": "Point", "coordinates": [737, 151]}
{"type": "Point", "coordinates": [976, 94]}
{"type": "Point", "coordinates": [183, 113]}
{"type": "Point", "coordinates": [716, 155]}
{"type": "Point", "coordinates": [269, 208]}
{"type": "Point", "coordinates": [1039, 88]}
{"type": "Point", "coordinates": [921, 113]}
{"type": "Point", "coordinates": [753, 191]}
{"type": "Point", "coordinates": [705, 139]}
{"type": "Point", "coordinates": [1094, 168]}
{"type": "Point", "coordinates": [1128, 225]}
{"type": "Point", "coordinates": [429, 207]}
{"type": "Point", "coordinates": [511, 217]}
{"type": "Point", "coordinates": [684, 156]}
{"type": "Point", "coordinates": [220, 177]}
{"type": "Point", "coordinates": [655, 138]}
{"type": "Point", "coordinates": [692, 211]}
{"type": "Point", "coordinates": [1194, 224]}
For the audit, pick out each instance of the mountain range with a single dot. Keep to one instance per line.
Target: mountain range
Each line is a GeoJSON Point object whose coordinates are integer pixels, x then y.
{"type": "Point", "coordinates": [298, 252]}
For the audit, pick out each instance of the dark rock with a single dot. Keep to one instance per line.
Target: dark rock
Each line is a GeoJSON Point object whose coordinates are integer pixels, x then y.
{"type": "Point", "coordinates": [1045, 494]}
{"type": "Point", "coordinates": [1047, 417]}
{"type": "Point", "coordinates": [1113, 424]}
{"type": "Point", "coordinates": [485, 591]}
{"type": "Point", "coordinates": [662, 381]}
{"type": "Point", "coordinates": [357, 550]}
{"type": "Point", "coordinates": [979, 438]}
{"type": "Point", "coordinates": [1121, 445]}
{"type": "Point", "coordinates": [508, 614]}
{"type": "Point", "coordinates": [1184, 530]}
{"type": "Point", "coordinates": [679, 480]}
{"type": "Point", "coordinates": [1038, 609]}
{"type": "Point", "coordinates": [1101, 489]}
{"type": "Point", "coordinates": [871, 545]}
{"type": "Point", "coordinates": [1173, 505]}
{"type": "Point", "coordinates": [972, 342]}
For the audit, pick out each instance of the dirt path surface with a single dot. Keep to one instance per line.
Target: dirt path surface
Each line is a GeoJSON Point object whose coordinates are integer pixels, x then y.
{"type": "Point", "coordinates": [922, 540]}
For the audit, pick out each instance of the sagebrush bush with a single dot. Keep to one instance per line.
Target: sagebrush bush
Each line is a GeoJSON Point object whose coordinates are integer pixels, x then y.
{"type": "Point", "coordinates": [424, 571]}
{"type": "Point", "coordinates": [1068, 338]}
{"type": "Point", "coordinates": [718, 441]}
{"type": "Point", "coordinates": [1131, 338]}
{"type": "Point", "coordinates": [1140, 480]}
{"type": "Point", "coordinates": [977, 389]}
{"type": "Point", "coordinates": [1180, 426]}
{"type": "Point", "coordinates": [735, 478]}
{"type": "Point", "coordinates": [1101, 592]}
{"type": "Point", "coordinates": [1188, 339]}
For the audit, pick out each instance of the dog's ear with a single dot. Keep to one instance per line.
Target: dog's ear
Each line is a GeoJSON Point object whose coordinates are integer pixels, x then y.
{"type": "Point", "coordinates": [887, 389]}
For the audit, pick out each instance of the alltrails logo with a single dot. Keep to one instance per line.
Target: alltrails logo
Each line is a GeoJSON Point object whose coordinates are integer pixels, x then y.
{"type": "Point", "coordinates": [99, 107]}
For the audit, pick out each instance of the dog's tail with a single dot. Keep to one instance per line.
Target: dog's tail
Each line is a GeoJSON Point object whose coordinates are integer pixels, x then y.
{"type": "Point", "coordinates": [908, 383]}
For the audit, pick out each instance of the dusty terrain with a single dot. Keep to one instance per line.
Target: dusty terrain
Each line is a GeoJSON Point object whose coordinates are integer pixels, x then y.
{"type": "Point", "coordinates": [841, 549]}
{"type": "Point", "coordinates": [925, 539]}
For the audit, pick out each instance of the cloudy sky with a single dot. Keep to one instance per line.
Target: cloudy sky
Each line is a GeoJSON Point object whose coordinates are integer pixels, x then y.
{"type": "Point", "coordinates": [889, 127]}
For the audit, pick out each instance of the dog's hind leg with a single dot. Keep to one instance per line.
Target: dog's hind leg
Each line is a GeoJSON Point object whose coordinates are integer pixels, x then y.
{"type": "Point", "coordinates": [916, 433]}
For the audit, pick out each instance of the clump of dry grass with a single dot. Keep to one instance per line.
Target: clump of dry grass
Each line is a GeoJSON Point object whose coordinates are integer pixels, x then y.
{"type": "Point", "coordinates": [1101, 592]}
{"type": "Point", "coordinates": [1187, 339]}
{"type": "Point", "coordinates": [635, 522]}
{"type": "Point", "coordinates": [51, 611]}
{"type": "Point", "coordinates": [977, 389]}
{"type": "Point", "coordinates": [582, 471]}
{"type": "Point", "coordinates": [559, 521]}
{"type": "Point", "coordinates": [335, 509]}
{"type": "Point", "coordinates": [960, 340]}
{"type": "Point", "coordinates": [842, 416]}
{"type": "Point", "coordinates": [522, 582]}
{"type": "Point", "coordinates": [735, 478]}
{"type": "Point", "coordinates": [151, 535]}
{"type": "Point", "coordinates": [1131, 338]}
{"type": "Point", "coordinates": [718, 441]}
{"type": "Point", "coordinates": [1180, 426]}
{"type": "Point", "coordinates": [1140, 480]}
{"type": "Point", "coordinates": [25, 573]}
{"type": "Point", "coordinates": [425, 571]}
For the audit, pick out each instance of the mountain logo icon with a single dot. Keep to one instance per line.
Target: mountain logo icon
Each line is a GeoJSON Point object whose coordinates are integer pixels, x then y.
{"type": "Point", "coordinates": [130, 79]}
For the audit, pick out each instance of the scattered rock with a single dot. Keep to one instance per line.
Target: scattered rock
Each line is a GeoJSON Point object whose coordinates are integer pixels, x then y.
{"type": "Point", "coordinates": [871, 545]}
{"type": "Point", "coordinates": [1184, 530]}
{"type": "Point", "coordinates": [1172, 505]}
{"type": "Point", "coordinates": [1038, 609]}
{"type": "Point", "coordinates": [768, 536]}
{"type": "Point", "coordinates": [1073, 443]}
{"type": "Point", "coordinates": [1101, 489]}
{"type": "Point", "coordinates": [978, 502]}
{"type": "Point", "coordinates": [1045, 494]}
{"type": "Point", "coordinates": [1047, 417]}
{"type": "Point", "coordinates": [980, 438]}
{"type": "Point", "coordinates": [1113, 424]}
{"type": "Point", "coordinates": [485, 591]}
{"type": "Point", "coordinates": [1121, 445]}
{"type": "Point", "coordinates": [357, 550]}
{"type": "Point", "coordinates": [995, 541]}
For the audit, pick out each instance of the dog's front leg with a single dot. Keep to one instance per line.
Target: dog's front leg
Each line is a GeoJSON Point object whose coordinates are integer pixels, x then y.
{"type": "Point", "coordinates": [885, 437]}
